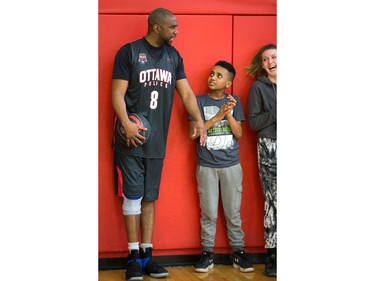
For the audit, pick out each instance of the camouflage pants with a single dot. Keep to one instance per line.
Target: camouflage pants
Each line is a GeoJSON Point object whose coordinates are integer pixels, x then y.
{"type": "Point", "coordinates": [267, 172]}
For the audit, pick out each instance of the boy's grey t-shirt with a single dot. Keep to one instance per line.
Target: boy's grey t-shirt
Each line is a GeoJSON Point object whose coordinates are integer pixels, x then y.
{"type": "Point", "coordinates": [222, 149]}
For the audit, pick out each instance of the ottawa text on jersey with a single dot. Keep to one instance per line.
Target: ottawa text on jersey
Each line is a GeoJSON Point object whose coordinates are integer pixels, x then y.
{"type": "Point", "coordinates": [155, 77]}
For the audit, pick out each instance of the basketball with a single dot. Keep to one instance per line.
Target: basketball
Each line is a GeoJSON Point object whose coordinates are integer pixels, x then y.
{"type": "Point", "coordinates": [137, 119]}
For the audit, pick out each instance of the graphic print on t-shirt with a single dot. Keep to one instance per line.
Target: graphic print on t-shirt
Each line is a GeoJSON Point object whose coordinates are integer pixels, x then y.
{"type": "Point", "coordinates": [219, 136]}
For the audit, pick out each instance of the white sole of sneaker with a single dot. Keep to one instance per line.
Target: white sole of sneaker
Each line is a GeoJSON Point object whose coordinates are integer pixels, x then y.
{"type": "Point", "coordinates": [135, 279]}
{"type": "Point", "coordinates": [159, 275]}
{"type": "Point", "coordinates": [251, 269]}
{"type": "Point", "coordinates": [204, 269]}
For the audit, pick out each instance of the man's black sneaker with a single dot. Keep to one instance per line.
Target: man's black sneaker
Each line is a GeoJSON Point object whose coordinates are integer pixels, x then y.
{"type": "Point", "coordinates": [206, 262]}
{"type": "Point", "coordinates": [134, 266]}
{"type": "Point", "coordinates": [241, 261]}
{"type": "Point", "coordinates": [150, 266]}
{"type": "Point", "coordinates": [270, 268]}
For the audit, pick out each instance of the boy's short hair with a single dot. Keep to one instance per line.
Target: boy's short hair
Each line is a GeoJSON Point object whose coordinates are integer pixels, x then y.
{"type": "Point", "coordinates": [228, 66]}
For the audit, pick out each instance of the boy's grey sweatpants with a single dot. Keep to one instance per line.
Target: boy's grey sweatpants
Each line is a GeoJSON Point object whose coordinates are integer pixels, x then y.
{"type": "Point", "coordinates": [226, 182]}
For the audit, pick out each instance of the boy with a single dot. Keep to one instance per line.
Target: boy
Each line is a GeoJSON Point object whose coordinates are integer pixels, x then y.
{"type": "Point", "coordinates": [219, 170]}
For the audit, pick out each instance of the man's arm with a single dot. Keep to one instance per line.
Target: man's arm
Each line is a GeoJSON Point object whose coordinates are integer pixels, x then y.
{"type": "Point", "coordinates": [190, 102]}
{"type": "Point", "coordinates": [119, 88]}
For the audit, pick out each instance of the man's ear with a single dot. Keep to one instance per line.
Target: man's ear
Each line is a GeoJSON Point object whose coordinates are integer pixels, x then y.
{"type": "Point", "coordinates": [229, 83]}
{"type": "Point", "coordinates": [156, 28]}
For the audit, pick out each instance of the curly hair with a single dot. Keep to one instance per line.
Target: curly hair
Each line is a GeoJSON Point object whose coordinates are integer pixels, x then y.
{"type": "Point", "coordinates": [255, 68]}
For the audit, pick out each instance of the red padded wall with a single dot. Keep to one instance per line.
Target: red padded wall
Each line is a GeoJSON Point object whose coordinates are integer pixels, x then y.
{"type": "Point", "coordinates": [207, 7]}
{"type": "Point", "coordinates": [202, 40]}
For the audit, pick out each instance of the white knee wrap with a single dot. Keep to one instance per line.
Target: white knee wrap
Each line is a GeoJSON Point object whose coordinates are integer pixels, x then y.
{"type": "Point", "coordinates": [131, 206]}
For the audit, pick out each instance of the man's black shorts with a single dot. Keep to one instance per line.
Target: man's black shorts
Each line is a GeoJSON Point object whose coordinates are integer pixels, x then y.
{"type": "Point", "coordinates": [138, 177]}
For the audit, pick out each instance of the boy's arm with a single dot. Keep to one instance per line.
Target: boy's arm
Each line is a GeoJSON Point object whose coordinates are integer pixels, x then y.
{"type": "Point", "coordinates": [235, 126]}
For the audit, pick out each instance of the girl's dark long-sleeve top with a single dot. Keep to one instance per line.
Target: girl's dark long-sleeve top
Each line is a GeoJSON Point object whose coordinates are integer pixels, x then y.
{"type": "Point", "coordinates": [262, 107]}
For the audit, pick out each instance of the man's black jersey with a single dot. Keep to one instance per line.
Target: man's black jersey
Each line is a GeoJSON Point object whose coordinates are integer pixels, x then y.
{"type": "Point", "coordinates": [152, 74]}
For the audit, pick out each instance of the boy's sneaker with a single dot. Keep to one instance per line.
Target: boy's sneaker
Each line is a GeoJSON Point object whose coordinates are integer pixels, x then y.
{"type": "Point", "coordinates": [241, 261]}
{"type": "Point", "coordinates": [134, 266]}
{"type": "Point", "coordinates": [206, 262]}
{"type": "Point", "coordinates": [270, 268]}
{"type": "Point", "coordinates": [150, 266]}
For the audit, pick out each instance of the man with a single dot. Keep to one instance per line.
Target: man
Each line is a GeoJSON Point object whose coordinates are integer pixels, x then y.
{"type": "Point", "coordinates": [145, 74]}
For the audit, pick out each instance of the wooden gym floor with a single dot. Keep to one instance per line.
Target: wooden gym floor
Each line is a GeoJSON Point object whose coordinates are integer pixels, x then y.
{"type": "Point", "coordinates": [186, 273]}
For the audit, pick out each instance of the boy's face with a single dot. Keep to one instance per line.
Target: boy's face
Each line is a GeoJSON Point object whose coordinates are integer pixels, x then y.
{"type": "Point", "coordinates": [269, 62]}
{"type": "Point", "coordinates": [219, 78]}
